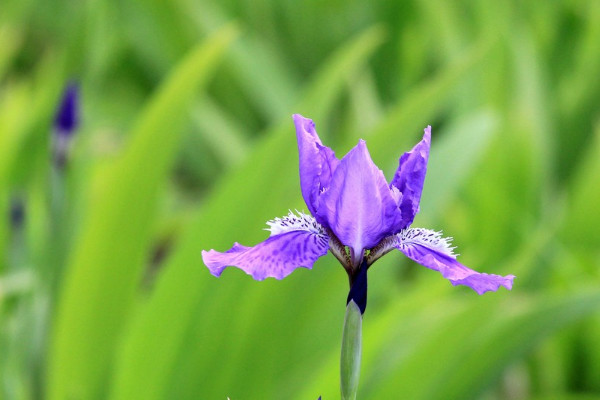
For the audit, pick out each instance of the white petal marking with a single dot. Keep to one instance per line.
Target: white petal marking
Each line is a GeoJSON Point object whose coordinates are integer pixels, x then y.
{"type": "Point", "coordinates": [427, 238]}
{"type": "Point", "coordinates": [424, 237]}
{"type": "Point", "coordinates": [293, 222]}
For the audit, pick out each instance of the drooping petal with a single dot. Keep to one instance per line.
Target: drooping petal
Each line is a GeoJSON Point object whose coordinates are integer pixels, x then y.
{"type": "Point", "coordinates": [409, 179]}
{"type": "Point", "coordinates": [295, 241]}
{"type": "Point", "coordinates": [276, 257]}
{"type": "Point", "coordinates": [429, 249]}
{"type": "Point", "coordinates": [358, 206]}
{"type": "Point", "coordinates": [317, 162]}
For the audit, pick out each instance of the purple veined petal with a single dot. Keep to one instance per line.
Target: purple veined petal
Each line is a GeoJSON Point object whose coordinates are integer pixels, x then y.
{"type": "Point", "coordinates": [276, 257]}
{"type": "Point", "coordinates": [409, 179]}
{"type": "Point", "coordinates": [358, 206]}
{"type": "Point", "coordinates": [429, 249]}
{"type": "Point", "coordinates": [295, 241]}
{"type": "Point", "coordinates": [317, 162]}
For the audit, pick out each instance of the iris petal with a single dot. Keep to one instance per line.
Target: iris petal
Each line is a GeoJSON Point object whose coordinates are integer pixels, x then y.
{"type": "Point", "coordinates": [276, 257]}
{"type": "Point", "coordinates": [317, 162]}
{"type": "Point", "coordinates": [358, 206]}
{"type": "Point", "coordinates": [430, 250]}
{"type": "Point", "coordinates": [409, 179]}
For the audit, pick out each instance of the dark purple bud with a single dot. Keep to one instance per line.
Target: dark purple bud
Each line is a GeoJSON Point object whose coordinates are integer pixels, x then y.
{"type": "Point", "coordinates": [67, 115]}
{"type": "Point", "coordinates": [17, 213]}
{"type": "Point", "coordinates": [66, 122]}
{"type": "Point", "coordinates": [358, 290]}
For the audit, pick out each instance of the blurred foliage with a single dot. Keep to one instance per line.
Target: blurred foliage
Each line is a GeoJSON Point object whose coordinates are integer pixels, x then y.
{"type": "Point", "coordinates": [187, 143]}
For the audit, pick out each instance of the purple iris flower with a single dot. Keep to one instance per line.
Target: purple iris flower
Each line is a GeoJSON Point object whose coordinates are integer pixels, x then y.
{"type": "Point", "coordinates": [355, 214]}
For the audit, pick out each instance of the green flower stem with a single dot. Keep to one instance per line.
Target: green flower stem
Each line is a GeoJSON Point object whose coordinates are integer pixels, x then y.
{"type": "Point", "coordinates": [351, 352]}
{"type": "Point", "coordinates": [57, 246]}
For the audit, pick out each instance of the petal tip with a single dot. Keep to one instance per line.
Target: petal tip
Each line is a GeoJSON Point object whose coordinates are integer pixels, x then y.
{"type": "Point", "coordinates": [427, 134]}
{"type": "Point", "coordinates": [305, 126]}
{"type": "Point", "coordinates": [302, 121]}
{"type": "Point", "coordinates": [508, 283]}
{"type": "Point", "coordinates": [214, 267]}
{"type": "Point", "coordinates": [495, 282]}
{"type": "Point", "coordinates": [361, 147]}
{"type": "Point", "coordinates": [298, 117]}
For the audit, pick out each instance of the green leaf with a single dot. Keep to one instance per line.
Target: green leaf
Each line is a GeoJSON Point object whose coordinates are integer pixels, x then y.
{"type": "Point", "coordinates": [453, 158]}
{"type": "Point", "coordinates": [568, 396]}
{"type": "Point", "coordinates": [106, 266]}
{"type": "Point", "coordinates": [465, 355]}
{"type": "Point", "coordinates": [10, 41]}
{"type": "Point", "coordinates": [407, 118]}
{"type": "Point", "coordinates": [580, 229]}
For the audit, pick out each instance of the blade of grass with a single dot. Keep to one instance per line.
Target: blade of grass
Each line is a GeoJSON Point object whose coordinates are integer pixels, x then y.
{"type": "Point", "coordinates": [260, 69]}
{"type": "Point", "coordinates": [106, 266]}
{"type": "Point", "coordinates": [583, 218]}
{"type": "Point", "coordinates": [10, 41]}
{"type": "Point", "coordinates": [470, 352]}
{"type": "Point", "coordinates": [413, 112]}
{"type": "Point", "coordinates": [446, 170]}
{"type": "Point", "coordinates": [227, 140]}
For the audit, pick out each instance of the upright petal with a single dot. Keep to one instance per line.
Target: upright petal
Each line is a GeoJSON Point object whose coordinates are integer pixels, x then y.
{"type": "Point", "coordinates": [296, 241]}
{"type": "Point", "coordinates": [409, 179]}
{"type": "Point", "coordinates": [429, 249]}
{"type": "Point", "coordinates": [358, 206]}
{"type": "Point", "coordinates": [317, 162]}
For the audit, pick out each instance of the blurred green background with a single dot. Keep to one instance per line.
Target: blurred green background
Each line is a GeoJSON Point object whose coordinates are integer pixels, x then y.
{"type": "Point", "coordinates": [187, 143]}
